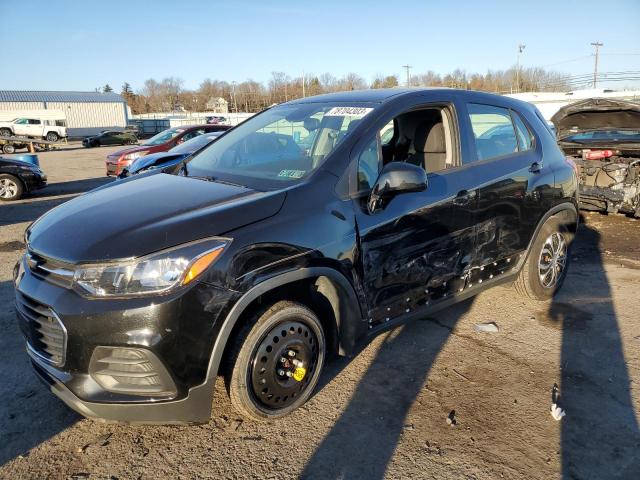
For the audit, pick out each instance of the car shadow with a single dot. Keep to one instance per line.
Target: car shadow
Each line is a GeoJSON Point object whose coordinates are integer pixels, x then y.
{"type": "Point", "coordinates": [38, 203]}
{"type": "Point", "coordinates": [600, 437]}
{"type": "Point", "coordinates": [364, 438]}
{"type": "Point", "coordinates": [29, 413]}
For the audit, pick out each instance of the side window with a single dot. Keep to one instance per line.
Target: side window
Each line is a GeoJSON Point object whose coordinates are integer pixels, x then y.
{"type": "Point", "coordinates": [34, 122]}
{"type": "Point", "coordinates": [22, 121]}
{"type": "Point", "coordinates": [525, 139]}
{"type": "Point", "coordinates": [493, 131]}
{"type": "Point", "coordinates": [368, 165]}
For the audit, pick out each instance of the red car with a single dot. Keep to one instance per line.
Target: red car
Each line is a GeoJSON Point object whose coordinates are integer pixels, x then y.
{"type": "Point", "coordinates": [162, 142]}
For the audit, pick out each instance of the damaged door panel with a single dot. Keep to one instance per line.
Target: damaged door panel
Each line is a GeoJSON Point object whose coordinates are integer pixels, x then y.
{"type": "Point", "coordinates": [602, 137]}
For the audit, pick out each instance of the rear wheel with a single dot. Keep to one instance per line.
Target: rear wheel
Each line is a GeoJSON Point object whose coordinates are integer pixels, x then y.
{"type": "Point", "coordinates": [10, 188]}
{"type": "Point", "coordinates": [275, 361]}
{"type": "Point", "coordinates": [546, 267]}
{"type": "Point", "coordinates": [52, 137]}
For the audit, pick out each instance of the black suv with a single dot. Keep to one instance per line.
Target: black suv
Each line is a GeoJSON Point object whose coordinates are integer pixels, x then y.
{"type": "Point", "coordinates": [256, 258]}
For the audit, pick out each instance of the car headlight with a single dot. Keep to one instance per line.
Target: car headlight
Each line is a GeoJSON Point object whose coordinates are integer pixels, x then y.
{"type": "Point", "coordinates": [156, 273]}
{"type": "Point", "coordinates": [134, 155]}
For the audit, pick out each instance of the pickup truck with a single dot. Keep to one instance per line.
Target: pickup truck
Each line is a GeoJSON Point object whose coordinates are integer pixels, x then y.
{"type": "Point", "coordinates": [33, 127]}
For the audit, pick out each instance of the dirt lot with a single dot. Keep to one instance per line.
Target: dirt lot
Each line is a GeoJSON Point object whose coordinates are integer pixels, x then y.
{"type": "Point", "coordinates": [382, 413]}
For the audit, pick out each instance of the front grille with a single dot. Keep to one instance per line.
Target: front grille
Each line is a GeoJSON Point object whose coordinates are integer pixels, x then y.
{"type": "Point", "coordinates": [46, 335]}
{"type": "Point", "coordinates": [51, 270]}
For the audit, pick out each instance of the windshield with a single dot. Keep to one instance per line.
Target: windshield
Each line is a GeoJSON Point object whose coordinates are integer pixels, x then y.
{"type": "Point", "coordinates": [279, 147]}
{"type": "Point", "coordinates": [194, 144]}
{"type": "Point", "coordinates": [614, 136]}
{"type": "Point", "coordinates": [164, 136]}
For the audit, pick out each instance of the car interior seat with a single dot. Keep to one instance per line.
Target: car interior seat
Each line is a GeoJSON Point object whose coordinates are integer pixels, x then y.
{"type": "Point", "coordinates": [430, 146]}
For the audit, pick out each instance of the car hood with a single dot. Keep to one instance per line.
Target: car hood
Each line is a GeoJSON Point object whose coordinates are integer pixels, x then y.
{"type": "Point", "coordinates": [596, 114]}
{"type": "Point", "coordinates": [138, 216]}
{"type": "Point", "coordinates": [147, 160]}
{"type": "Point", "coordinates": [18, 163]}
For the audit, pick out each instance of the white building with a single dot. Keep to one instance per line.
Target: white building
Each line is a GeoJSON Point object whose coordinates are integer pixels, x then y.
{"type": "Point", "coordinates": [86, 112]}
{"type": "Point", "coordinates": [217, 105]}
{"type": "Point", "coordinates": [550, 102]}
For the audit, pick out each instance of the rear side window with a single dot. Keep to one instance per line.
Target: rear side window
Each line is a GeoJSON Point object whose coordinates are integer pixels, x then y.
{"type": "Point", "coordinates": [34, 122]}
{"type": "Point", "coordinates": [493, 130]}
{"type": "Point", "coordinates": [525, 139]}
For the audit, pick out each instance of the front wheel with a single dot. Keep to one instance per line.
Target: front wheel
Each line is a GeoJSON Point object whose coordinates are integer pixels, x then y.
{"type": "Point", "coordinates": [5, 132]}
{"type": "Point", "coordinates": [546, 267]}
{"type": "Point", "coordinates": [275, 361]}
{"type": "Point", "coordinates": [52, 137]}
{"type": "Point", "coordinates": [10, 188]}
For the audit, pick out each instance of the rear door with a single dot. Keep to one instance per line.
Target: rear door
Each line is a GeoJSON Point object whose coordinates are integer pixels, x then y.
{"type": "Point", "coordinates": [35, 127]}
{"type": "Point", "coordinates": [513, 184]}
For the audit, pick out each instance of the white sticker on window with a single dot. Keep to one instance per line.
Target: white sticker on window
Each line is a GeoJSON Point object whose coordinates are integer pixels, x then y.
{"type": "Point", "coordinates": [292, 173]}
{"type": "Point", "coordinates": [348, 112]}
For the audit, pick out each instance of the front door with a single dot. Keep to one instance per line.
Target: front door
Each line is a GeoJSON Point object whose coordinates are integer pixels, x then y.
{"type": "Point", "coordinates": [419, 249]}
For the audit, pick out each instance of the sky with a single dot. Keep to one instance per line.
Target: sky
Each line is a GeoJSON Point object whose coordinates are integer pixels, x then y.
{"type": "Point", "coordinates": [84, 44]}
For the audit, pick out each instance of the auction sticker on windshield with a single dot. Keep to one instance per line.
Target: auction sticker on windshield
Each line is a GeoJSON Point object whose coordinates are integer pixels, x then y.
{"type": "Point", "coordinates": [348, 112]}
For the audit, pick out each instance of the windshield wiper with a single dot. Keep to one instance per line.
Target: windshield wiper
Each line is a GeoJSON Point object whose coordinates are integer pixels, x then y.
{"type": "Point", "coordinates": [211, 178]}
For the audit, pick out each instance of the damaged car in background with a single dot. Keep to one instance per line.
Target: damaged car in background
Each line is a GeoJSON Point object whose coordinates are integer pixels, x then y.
{"type": "Point", "coordinates": [602, 137]}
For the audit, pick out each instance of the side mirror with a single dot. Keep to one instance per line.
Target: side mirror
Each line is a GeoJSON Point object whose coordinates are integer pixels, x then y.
{"type": "Point", "coordinates": [396, 178]}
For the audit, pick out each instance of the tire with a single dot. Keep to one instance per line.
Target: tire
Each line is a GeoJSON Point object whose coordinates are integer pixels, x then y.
{"type": "Point", "coordinates": [8, 148]}
{"type": "Point", "coordinates": [5, 132]}
{"type": "Point", "coordinates": [260, 355]}
{"type": "Point", "coordinates": [546, 268]}
{"type": "Point", "coordinates": [52, 137]}
{"type": "Point", "coordinates": [10, 188]}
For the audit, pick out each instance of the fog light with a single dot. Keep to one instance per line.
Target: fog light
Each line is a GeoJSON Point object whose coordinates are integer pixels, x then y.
{"type": "Point", "coordinates": [134, 371]}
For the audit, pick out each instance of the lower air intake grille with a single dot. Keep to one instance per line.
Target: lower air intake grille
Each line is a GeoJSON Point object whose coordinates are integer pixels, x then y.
{"type": "Point", "coordinates": [46, 335]}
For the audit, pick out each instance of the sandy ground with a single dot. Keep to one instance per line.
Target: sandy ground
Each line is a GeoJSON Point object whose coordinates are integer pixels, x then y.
{"type": "Point", "coordinates": [383, 413]}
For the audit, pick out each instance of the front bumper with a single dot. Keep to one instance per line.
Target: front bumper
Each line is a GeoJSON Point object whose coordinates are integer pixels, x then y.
{"type": "Point", "coordinates": [177, 330]}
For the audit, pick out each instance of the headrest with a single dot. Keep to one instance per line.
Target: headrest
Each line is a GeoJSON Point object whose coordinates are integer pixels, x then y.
{"type": "Point", "coordinates": [429, 138]}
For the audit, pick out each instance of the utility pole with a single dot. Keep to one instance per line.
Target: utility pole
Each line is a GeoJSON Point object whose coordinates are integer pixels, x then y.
{"type": "Point", "coordinates": [408, 68]}
{"type": "Point", "coordinates": [303, 90]}
{"type": "Point", "coordinates": [597, 46]}
{"type": "Point", "coordinates": [520, 49]}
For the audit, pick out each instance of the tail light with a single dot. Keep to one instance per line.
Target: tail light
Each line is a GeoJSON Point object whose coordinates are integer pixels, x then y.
{"type": "Point", "coordinates": [596, 154]}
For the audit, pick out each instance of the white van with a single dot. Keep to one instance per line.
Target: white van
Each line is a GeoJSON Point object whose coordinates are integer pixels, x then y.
{"type": "Point", "coordinates": [49, 125]}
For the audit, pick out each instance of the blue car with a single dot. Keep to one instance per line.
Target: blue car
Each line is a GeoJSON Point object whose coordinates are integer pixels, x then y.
{"type": "Point", "coordinates": [172, 157]}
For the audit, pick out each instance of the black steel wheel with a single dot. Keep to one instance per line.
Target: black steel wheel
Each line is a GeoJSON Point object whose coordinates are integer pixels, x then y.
{"type": "Point", "coordinates": [275, 361]}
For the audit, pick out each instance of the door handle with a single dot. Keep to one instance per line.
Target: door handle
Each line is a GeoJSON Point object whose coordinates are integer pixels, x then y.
{"type": "Point", "coordinates": [464, 197]}
{"type": "Point", "coordinates": [535, 167]}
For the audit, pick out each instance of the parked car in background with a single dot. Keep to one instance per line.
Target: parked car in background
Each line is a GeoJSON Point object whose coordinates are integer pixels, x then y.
{"type": "Point", "coordinates": [174, 156]}
{"type": "Point", "coordinates": [18, 177]}
{"type": "Point", "coordinates": [48, 129]}
{"type": "Point", "coordinates": [110, 137]}
{"type": "Point", "coordinates": [602, 137]}
{"type": "Point", "coordinates": [258, 259]}
{"type": "Point", "coordinates": [216, 119]}
{"type": "Point", "coordinates": [161, 142]}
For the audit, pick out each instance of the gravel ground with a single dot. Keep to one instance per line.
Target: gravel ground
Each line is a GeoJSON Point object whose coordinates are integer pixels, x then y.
{"type": "Point", "coordinates": [382, 414]}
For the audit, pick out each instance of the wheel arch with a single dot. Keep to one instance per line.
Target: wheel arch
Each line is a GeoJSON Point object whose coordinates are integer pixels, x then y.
{"type": "Point", "coordinates": [566, 210]}
{"type": "Point", "coordinates": [325, 290]}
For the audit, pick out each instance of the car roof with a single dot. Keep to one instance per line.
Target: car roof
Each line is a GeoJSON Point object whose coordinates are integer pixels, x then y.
{"type": "Point", "coordinates": [383, 95]}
